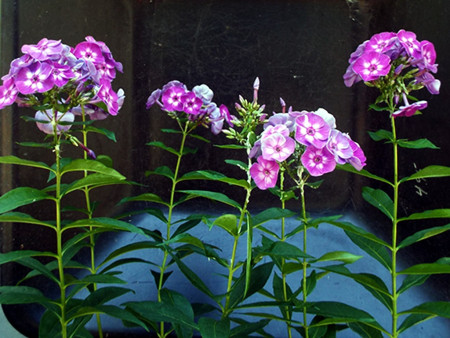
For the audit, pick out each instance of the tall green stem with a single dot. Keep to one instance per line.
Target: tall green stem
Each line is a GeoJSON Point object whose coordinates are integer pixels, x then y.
{"type": "Point", "coordinates": [283, 238]}
{"type": "Point", "coordinates": [93, 268]}
{"type": "Point", "coordinates": [394, 232]}
{"type": "Point", "coordinates": [305, 263]}
{"type": "Point", "coordinates": [231, 268]}
{"type": "Point", "coordinates": [185, 132]}
{"type": "Point", "coordinates": [59, 244]}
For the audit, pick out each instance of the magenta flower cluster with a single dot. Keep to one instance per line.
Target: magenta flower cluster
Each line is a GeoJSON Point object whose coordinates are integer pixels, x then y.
{"type": "Point", "coordinates": [391, 54]}
{"type": "Point", "coordinates": [313, 135]}
{"type": "Point", "coordinates": [80, 75]}
{"type": "Point", "coordinates": [174, 97]}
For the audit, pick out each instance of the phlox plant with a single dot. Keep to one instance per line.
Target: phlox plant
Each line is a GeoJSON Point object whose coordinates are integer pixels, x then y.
{"type": "Point", "coordinates": [61, 82]}
{"type": "Point", "coordinates": [396, 64]}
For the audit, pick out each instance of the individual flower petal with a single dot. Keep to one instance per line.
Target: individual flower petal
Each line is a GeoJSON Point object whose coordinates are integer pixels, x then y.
{"type": "Point", "coordinates": [47, 117]}
{"type": "Point", "coordinates": [358, 159]}
{"type": "Point", "coordinates": [370, 66]}
{"type": "Point", "coordinates": [327, 117]}
{"type": "Point", "coordinates": [318, 161]}
{"type": "Point", "coordinates": [264, 173]}
{"type": "Point", "coordinates": [153, 98]}
{"type": "Point", "coordinates": [311, 129]}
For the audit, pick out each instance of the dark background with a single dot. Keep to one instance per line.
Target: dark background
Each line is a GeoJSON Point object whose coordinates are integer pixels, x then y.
{"type": "Point", "coordinates": [298, 49]}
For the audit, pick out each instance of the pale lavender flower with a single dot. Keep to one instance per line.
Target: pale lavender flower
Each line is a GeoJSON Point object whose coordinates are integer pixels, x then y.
{"type": "Point", "coordinates": [44, 50]}
{"type": "Point", "coordinates": [276, 147]}
{"type": "Point", "coordinates": [48, 118]}
{"type": "Point", "coordinates": [339, 145]}
{"type": "Point", "coordinates": [358, 159]}
{"type": "Point", "coordinates": [318, 161]}
{"type": "Point", "coordinates": [433, 85]}
{"type": "Point", "coordinates": [153, 98]}
{"type": "Point", "coordinates": [264, 173]}
{"type": "Point", "coordinates": [327, 117]}
{"type": "Point", "coordinates": [311, 129]}
{"type": "Point", "coordinates": [204, 93]}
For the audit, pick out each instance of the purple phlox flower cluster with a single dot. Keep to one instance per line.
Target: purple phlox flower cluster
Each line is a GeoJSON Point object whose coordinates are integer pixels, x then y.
{"type": "Point", "coordinates": [374, 58]}
{"type": "Point", "coordinates": [81, 75]}
{"type": "Point", "coordinates": [197, 104]}
{"type": "Point", "coordinates": [312, 133]}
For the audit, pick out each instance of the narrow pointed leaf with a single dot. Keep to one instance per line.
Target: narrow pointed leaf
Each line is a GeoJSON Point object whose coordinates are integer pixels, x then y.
{"type": "Point", "coordinates": [380, 200]}
{"type": "Point", "coordinates": [19, 197]}
{"type": "Point", "coordinates": [380, 135]}
{"type": "Point", "coordinates": [349, 168]}
{"type": "Point", "coordinates": [427, 269]}
{"type": "Point", "coordinates": [244, 329]}
{"type": "Point", "coordinates": [423, 234]}
{"type": "Point", "coordinates": [92, 181]}
{"type": "Point", "coordinates": [227, 222]}
{"type": "Point", "coordinates": [414, 319]}
{"type": "Point", "coordinates": [440, 309]}
{"type": "Point", "coordinates": [412, 280]}
{"type": "Point", "coordinates": [13, 256]}
{"type": "Point", "coordinates": [108, 133]}
{"type": "Point", "coordinates": [106, 223]}
{"type": "Point", "coordinates": [341, 256]}
{"type": "Point", "coordinates": [161, 145]}
{"type": "Point", "coordinates": [92, 166]}
{"type": "Point", "coordinates": [422, 143]}
{"type": "Point", "coordinates": [213, 176]}
{"type": "Point", "coordinates": [19, 217]}
{"type": "Point", "coordinates": [429, 172]}
{"type": "Point", "coordinates": [212, 195]}
{"type": "Point", "coordinates": [21, 295]}
{"type": "Point", "coordinates": [27, 163]}
{"type": "Point", "coordinates": [365, 331]}
{"type": "Point", "coordinates": [162, 171]}
{"type": "Point", "coordinates": [358, 231]}
{"type": "Point", "coordinates": [147, 197]}
{"type": "Point", "coordinates": [271, 214]}
{"type": "Point", "coordinates": [436, 213]}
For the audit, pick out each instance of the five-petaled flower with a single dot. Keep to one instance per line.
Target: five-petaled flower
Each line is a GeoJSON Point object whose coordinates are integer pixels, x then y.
{"type": "Point", "coordinates": [264, 173]}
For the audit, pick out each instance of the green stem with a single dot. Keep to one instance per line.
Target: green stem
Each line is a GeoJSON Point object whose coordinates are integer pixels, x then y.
{"type": "Point", "coordinates": [185, 132]}
{"type": "Point", "coordinates": [93, 268]}
{"type": "Point", "coordinates": [58, 197]}
{"type": "Point", "coordinates": [231, 268]}
{"type": "Point", "coordinates": [394, 233]}
{"type": "Point", "coordinates": [305, 263]}
{"type": "Point", "coordinates": [283, 261]}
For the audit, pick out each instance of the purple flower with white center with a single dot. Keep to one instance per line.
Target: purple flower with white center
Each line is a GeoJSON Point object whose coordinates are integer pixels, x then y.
{"type": "Point", "coordinates": [48, 119]}
{"type": "Point", "coordinates": [191, 103]}
{"type": "Point", "coordinates": [44, 50]}
{"type": "Point", "coordinates": [153, 98]}
{"type": "Point", "coordinates": [277, 147]}
{"type": "Point", "coordinates": [409, 109]}
{"type": "Point", "coordinates": [90, 52]}
{"type": "Point", "coordinates": [370, 66]}
{"type": "Point", "coordinates": [61, 74]}
{"type": "Point", "coordinates": [318, 161]}
{"type": "Point", "coordinates": [339, 145]}
{"type": "Point", "coordinates": [171, 98]}
{"type": "Point", "coordinates": [433, 85]}
{"type": "Point", "coordinates": [312, 130]}
{"type": "Point", "coordinates": [34, 79]}
{"type": "Point", "coordinates": [380, 43]}
{"type": "Point", "coordinates": [358, 159]}
{"type": "Point", "coordinates": [204, 93]}
{"type": "Point", "coordinates": [264, 173]}
{"type": "Point", "coordinates": [8, 93]}
{"type": "Point", "coordinates": [409, 42]}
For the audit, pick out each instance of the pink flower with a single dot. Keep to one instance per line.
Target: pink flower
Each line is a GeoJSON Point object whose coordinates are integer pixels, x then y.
{"type": "Point", "coordinates": [191, 103]}
{"type": "Point", "coordinates": [264, 173]}
{"type": "Point", "coordinates": [8, 93]}
{"type": "Point", "coordinates": [358, 159]}
{"type": "Point", "coordinates": [312, 130]}
{"type": "Point", "coordinates": [276, 147]}
{"type": "Point", "coordinates": [409, 42]}
{"type": "Point", "coordinates": [381, 42]}
{"type": "Point", "coordinates": [370, 66]}
{"type": "Point", "coordinates": [339, 146]}
{"type": "Point", "coordinates": [171, 98]}
{"type": "Point", "coordinates": [318, 161]}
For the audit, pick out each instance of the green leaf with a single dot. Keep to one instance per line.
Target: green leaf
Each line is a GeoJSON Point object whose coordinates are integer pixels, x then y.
{"type": "Point", "coordinates": [412, 280]}
{"type": "Point", "coordinates": [380, 200]}
{"type": "Point", "coordinates": [239, 164]}
{"type": "Point", "coordinates": [336, 312]}
{"type": "Point", "coordinates": [170, 131]}
{"type": "Point", "coordinates": [13, 256]}
{"type": "Point", "coordinates": [412, 320]}
{"type": "Point", "coordinates": [365, 331]}
{"type": "Point", "coordinates": [147, 197]}
{"type": "Point", "coordinates": [427, 269]}
{"type": "Point", "coordinates": [270, 214]}
{"type": "Point", "coordinates": [108, 133]}
{"type": "Point", "coordinates": [98, 279]}
{"type": "Point", "coordinates": [374, 249]}
{"type": "Point", "coordinates": [286, 250]}
{"type": "Point", "coordinates": [440, 309]}
{"type": "Point", "coordinates": [349, 168]}
{"type": "Point", "coordinates": [27, 163]}
{"type": "Point", "coordinates": [423, 234]}
{"type": "Point", "coordinates": [211, 328]}
{"type": "Point", "coordinates": [161, 145]}
{"type": "Point", "coordinates": [227, 222]}
{"type": "Point", "coordinates": [436, 213]}
{"type": "Point", "coordinates": [19, 217]}
{"type": "Point", "coordinates": [90, 165]}
{"type": "Point", "coordinates": [213, 176]}
{"type": "Point", "coordinates": [230, 146]}
{"type": "Point", "coordinates": [244, 329]}
{"type": "Point", "coordinates": [162, 171]}
{"type": "Point", "coordinates": [105, 222]}
{"type": "Point", "coordinates": [22, 295]}
{"type": "Point", "coordinates": [422, 143]}
{"type": "Point", "coordinates": [429, 172]}
{"type": "Point", "coordinates": [212, 195]}
{"type": "Point", "coordinates": [350, 228]}
{"type": "Point", "coordinates": [178, 301]}
{"type": "Point", "coordinates": [341, 256]}
{"type": "Point", "coordinates": [198, 137]}
{"type": "Point", "coordinates": [19, 197]}
{"type": "Point", "coordinates": [92, 181]}
{"type": "Point", "coordinates": [380, 135]}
